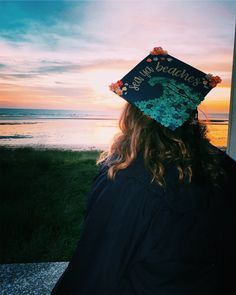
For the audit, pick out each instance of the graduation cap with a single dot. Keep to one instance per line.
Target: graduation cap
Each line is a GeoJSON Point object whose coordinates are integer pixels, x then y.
{"type": "Point", "coordinates": [165, 88]}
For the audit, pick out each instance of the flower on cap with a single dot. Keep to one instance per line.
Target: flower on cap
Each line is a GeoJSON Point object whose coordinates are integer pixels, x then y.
{"type": "Point", "coordinates": [211, 80]}
{"type": "Point", "coordinates": [119, 83]}
{"type": "Point", "coordinates": [212, 84]}
{"type": "Point", "coordinates": [214, 81]}
{"type": "Point", "coordinates": [116, 87]}
{"type": "Point", "coordinates": [119, 91]}
{"type": "Point", "coordinates": [158, 50]}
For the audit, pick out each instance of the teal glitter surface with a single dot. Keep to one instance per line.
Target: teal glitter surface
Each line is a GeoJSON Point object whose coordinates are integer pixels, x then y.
{"type": "Point", "coordinates": [174, 106]}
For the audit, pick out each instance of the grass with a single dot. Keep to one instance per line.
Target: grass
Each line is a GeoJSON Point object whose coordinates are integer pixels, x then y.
{"type": "Point", "coordinates": [42, 203]}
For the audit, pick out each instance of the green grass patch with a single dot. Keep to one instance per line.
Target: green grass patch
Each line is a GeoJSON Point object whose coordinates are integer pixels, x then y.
{"type": "Point", "coordinates": [42, 203]}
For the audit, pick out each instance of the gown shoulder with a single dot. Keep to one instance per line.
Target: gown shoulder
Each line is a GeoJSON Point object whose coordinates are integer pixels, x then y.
{"type": "Point", "coordinates": [118, 215]}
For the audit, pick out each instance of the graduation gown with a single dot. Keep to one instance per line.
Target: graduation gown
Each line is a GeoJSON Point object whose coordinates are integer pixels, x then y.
{"type": "Point", "coordinates": [140, 239]}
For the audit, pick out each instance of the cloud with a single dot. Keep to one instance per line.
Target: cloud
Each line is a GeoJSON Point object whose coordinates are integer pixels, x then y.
{"type": "Point", "coordinates": [73, 48]}
{"type": "Point", "coordinates": [15, 76]}
{"type": "Point", "coordinates": [2, 66]}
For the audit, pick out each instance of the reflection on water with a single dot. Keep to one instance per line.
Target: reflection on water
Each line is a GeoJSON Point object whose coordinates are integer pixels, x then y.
{"type": "Point", "coordinates": [77, 134]}
{"type": "Point", "coordinates": [60, 133]}
{"type": "Point", "coordinates": [217, 133]}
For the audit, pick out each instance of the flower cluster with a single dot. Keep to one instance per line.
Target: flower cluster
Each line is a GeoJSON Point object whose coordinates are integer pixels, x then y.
{"type": "Point", "coordinates": [116, 87]}
{"type": "Point", "coordinates": [211, 80]}
{"type": "Point", "coordinates": [158, 50]}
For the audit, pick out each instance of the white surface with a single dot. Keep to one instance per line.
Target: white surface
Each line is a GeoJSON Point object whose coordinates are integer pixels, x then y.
{"type": "Point", "coordinates": [231, 146]}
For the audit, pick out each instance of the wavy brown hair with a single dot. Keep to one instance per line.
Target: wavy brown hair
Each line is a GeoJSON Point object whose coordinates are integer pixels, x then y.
{"type": "Point", "coordinates": [188, 147]}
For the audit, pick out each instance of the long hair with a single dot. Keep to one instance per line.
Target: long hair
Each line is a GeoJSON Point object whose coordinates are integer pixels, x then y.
{"type": "Point", "coordinates": [188, 147]}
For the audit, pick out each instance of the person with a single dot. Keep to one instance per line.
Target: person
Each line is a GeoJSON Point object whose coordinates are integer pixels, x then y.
{"type": "Point", "coordinates": [160, 213]}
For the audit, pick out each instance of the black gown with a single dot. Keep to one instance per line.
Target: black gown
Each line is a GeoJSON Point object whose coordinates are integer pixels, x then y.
{"type": "Point", "coordinates": [140, 239]}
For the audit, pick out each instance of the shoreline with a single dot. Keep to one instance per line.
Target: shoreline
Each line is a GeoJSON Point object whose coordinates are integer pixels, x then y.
{"type": "Point", "coordinates": [2, 120]}
{"type": "Point", "coordinates": [53, 147]}
{"type": "Point", "coordinates": [51, 118]}
{"type": "Point", "coordinates": [64, 148]}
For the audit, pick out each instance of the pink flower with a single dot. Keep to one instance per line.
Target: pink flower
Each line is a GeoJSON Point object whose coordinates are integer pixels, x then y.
{"type": "Point", "coordinates": [158, 50]}
{"type": "Point", "coordinates": [116, 87]}
{"type": "Point", "coordinates": [217, 79]}
{"type": "Point", "coordinates": [213, 80]}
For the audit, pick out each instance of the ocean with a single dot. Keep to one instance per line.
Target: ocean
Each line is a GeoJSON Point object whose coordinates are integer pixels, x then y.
{"type": "Point", "coordinates": [78, 130]}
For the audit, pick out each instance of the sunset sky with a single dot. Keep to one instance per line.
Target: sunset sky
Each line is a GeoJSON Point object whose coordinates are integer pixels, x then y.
{"type": "Point", "coordinates": [64, 54]}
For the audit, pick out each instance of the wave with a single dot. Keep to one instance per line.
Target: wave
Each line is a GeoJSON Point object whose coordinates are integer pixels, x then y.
{"type": "Point", "coordinates": [18, 123]}
{"type": "Point", "coordinates": [17, 136]}
{"type": "Point", "coordinates": [6, 113]}
{"type": "Point", "coordinates": [49, 114]}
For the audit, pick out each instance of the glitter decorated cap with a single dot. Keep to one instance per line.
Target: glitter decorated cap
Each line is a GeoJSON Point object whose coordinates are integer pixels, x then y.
{"type": "Point", "coordinates": [165, 88]}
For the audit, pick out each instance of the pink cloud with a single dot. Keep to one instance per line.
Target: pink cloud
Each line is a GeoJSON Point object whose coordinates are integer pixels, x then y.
{"type": "Point", "coordinates": [119, 35]}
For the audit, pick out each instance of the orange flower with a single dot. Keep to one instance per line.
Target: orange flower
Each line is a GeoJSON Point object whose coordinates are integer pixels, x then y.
{"type": "Point", "coordinates": [217, 79]}
{"type": "Point", "coordinates": [157, 51]}
{"type": "Point", "coordinates": [113, 86]}
{"type": "Point", "coordinates": [119, 83]}
{"type": "Point", "coordinates": [116, 86]}
{"type": "Point", "coordinates": [119, 91]}
{"type": "Point", "coordinates": [149, 60]}
{"type": "Point", "coordinates": [213, 80]}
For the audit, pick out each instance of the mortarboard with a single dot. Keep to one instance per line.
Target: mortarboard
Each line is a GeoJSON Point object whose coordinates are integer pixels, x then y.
{"type": "Point", "coordinates": [165, 88]}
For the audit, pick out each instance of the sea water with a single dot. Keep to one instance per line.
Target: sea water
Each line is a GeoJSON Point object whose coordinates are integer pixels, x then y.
{"type": "Point", "coordinates": [78, 130]}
